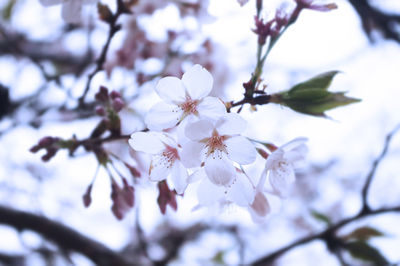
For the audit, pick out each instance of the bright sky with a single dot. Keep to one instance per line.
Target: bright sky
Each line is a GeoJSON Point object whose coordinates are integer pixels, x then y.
{"type": "Point", "coordinates": [316, 43]}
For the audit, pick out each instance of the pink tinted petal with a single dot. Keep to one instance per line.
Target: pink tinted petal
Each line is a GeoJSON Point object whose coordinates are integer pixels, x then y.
{"type": "Point", "coordinates": [198, 82]}
{"type": "Point", "coordinates": [281, 178]}
{"type": "Point", "coordinates": [231, 124]}
{"type": "Point", "coordinates": [209, 194]}
{"type": "Point", "coordinates": [149, 142]}
{"type": "Point", "coordinates": [241, 191]}
{"type": "Point", "coordinates": [191, 154]}
{"type": "Point", "coordinates": [71, 11]}
{"type": "Point", "coordinates": [171, 90]}
{"type": "Point", "coordinates": [211, 108]}
{"type": "Point", "coordinates": [160, 168]}
{"type": "Point", "coordinates": [219, 169]}
{"type": "Point", "coordinates": [179, 177]}
{"type": "Point", "coordinates": [240, 150]}
{"type": "Point", "coordinates": [259, 208]}
{"type": "Point", "coordinates": [162, 116]}
{"type": "Point", "coordinates": [199, 130]}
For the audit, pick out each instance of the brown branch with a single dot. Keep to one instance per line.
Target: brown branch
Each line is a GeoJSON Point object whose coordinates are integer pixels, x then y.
{"type": "Point", "coordinates": [374, 19]}
{"type": "Point", "coordinates": [325, 235]}
{"type": "Point", "coordinates": [114, 28]}
{"type": "Point", "coordinates": [371, 174]}
{"type": "Point", "coordinates": [65, 237]}
{"type": "Point", "coordinates": [328, 235]}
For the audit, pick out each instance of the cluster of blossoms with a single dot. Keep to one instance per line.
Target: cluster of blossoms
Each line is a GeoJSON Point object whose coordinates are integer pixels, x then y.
{"type": "Point", "coordinates": [193, 139]}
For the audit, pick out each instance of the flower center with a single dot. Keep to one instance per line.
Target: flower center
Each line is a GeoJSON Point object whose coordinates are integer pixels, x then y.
{"type": "Point", "coordinates": [170, 154]}
{"type": "Point", "coordinates": [216, 142]}
{"type": "Point", "coordinates": [189, 106]}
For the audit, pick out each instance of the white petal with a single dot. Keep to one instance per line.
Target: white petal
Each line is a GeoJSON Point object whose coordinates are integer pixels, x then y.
{"type": "Point", "coordinates": [297, 154]}
{"type": "Point", "coordinates": [197, 176]}
{"type": "Point", "coordinates": [231, 124]}
{"type": "Point", "coordinates": [191, 154]}
{"type": "Point", "coordinates": [219, 169]}
{"type": "Point", "coordinates": [71, 11]}
{"type": "Point", "coordinates": [179, 177]}
{"type": "Point", "coordinates": [259, 208]}
{"type": "Point", "coordinates": [160, 168]}
{"type": "Point", "coordinates": [281, 178]}
{"type": "Point", "coordinates": [209, 194]}
{"type": "Point", "coordinates": [162, 116]}
{"type": "Point", "coordinates": [199, 130]}
{"type": "Point", "coordinates": [149, 142]}
{"type": "Point", "coordinates": [198, 82]}
{"type": "Point", "coordinates": [211, 108]}
{"type": "Point", "coordinates": [240, 150]}
{"type": "Point", "coordinates": [171, 90]}
{"type": "Point", "coordinates": [241, 191]}
{"type": "Point", "coordinates": [274, 158]}
{"type": "Point", "coordinates": [51, 2]}
{"type": "Point", "coordinates": [293, 143]}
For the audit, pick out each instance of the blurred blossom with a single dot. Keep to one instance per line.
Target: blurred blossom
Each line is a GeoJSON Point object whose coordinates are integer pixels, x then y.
{"type": "Point", "coordinates": [281, 164]}
{"type": "Point", "coordinates": [71, 9]}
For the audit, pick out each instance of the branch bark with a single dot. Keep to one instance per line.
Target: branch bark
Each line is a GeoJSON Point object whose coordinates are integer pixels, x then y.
{"type": "Point", "coordinates": [65, 237]}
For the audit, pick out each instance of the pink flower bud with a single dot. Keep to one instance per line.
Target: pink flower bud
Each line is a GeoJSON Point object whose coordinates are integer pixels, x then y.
{"type": "Point", "coordinates": [118, 104]}
{"type": "Point", "coordinates": [115, 94]}
{"type": "Point", "coordinates": [100, 110]}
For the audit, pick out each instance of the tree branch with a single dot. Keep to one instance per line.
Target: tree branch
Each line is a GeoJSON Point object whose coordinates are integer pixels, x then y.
{"type": "Point", "coordinates": [324, 235]}
{"type": "Point", "coordinates": [65, 237]}
{"type": "Point", "coordinates": [370, 176]}
{"type": "Point", "coordinates": [114, 28]}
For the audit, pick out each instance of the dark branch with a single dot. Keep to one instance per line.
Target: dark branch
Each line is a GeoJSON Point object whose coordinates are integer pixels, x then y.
{"type": "Point", "coordinates": [65, 237]}
{"type": "Point", "coordinates": [374, 19]}
{"type": "Point", "coordinates": [375, 165]}
{"type": "Point", "coordinates": [324, 235]}
{"type": "Point", "coordinates": [114, 28]}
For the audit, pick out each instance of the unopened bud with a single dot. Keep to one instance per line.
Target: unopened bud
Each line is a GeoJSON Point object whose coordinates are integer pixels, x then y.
{"type": "Point", "coordinates": [100, 110]}
{"type": "Point", "coordinates": [102, 94]}
{"type": "Point", "coordinates": [115, 94]}
{"type": "Point", "coordinates": [118, 104]}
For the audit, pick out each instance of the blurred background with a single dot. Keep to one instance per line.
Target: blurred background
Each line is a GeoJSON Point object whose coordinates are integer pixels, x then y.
{"type": "Point", "coordinates": [44, 68]}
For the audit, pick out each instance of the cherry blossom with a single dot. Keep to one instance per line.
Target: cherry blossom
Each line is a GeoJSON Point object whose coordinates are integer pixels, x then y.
{"type": "Point", "coordinates": [71, 9]}
{"type": "Point", "coordinates": [184, 98]}
{"type": "Point", "coordinates": [216, 145]}
{"type": "Point", "coordinates": [281, 163]}
{"type": "Point", "coordinates": [166, 158]}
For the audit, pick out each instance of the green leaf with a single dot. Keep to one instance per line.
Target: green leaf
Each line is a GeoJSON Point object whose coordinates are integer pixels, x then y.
{"type": "Point", "coordinates": [8, 9]}
{"type": "Point", "coordinates": [363, 233]}
{"type": "Point", "coordinates": [321, 217]}
{"type": "Point", "coordinates": [316, 105]}
{"type": "Point", "coordinates": [363, 251]}
{"type": "Point", "coordinates": [321, 82]}
{"type": "Point", "coordinates": [312, 96]}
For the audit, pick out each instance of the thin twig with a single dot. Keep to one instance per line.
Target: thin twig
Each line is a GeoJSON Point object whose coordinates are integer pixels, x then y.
{"type": "Point", "coordinates": [267, 260]}
{"type": "Point", "coordinates": [371, 174]}
{"type": "Point", "coordinates": [114, 28]}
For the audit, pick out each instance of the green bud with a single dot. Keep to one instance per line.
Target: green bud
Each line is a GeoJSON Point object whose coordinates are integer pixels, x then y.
{"type": "Point", "coordinates": [312, 96]}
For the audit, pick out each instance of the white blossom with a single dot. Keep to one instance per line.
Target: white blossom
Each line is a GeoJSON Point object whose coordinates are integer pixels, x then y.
{"type": "Point", "coordinates": [216, 145]}
{"type": "Point", "coordinates": [184, 98]}
{"type": "Point", "coordinates": [71, 9]}
{"type": "Point", "coordinates": [281, 164]}
{"type": "Point", "coordinates": [166, 160]}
